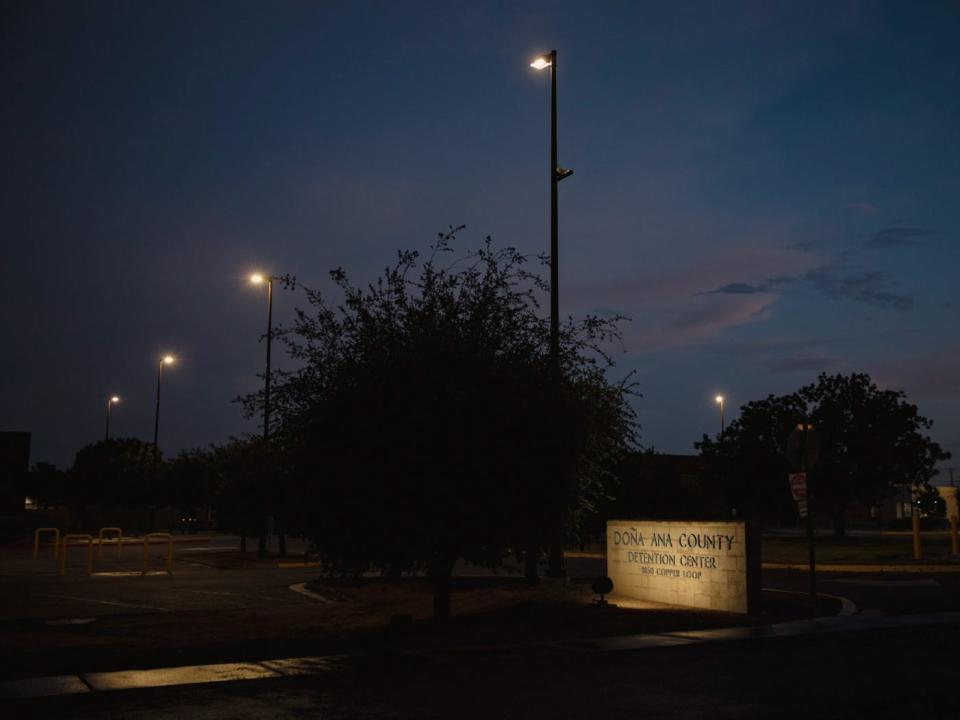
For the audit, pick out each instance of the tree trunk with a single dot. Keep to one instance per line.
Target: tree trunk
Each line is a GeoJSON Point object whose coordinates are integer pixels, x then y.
{"type": "Point", "coordinates": [530, 563]}
{"type": "Point", "coordinates": [556, 568]}
{"type": "Point", "coordinates": [840, 523]}
{"type": "Point", "coordinates": [440, 572]}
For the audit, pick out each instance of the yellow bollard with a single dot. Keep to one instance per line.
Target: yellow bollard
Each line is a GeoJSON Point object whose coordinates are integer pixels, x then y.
{"type": "Point", "coordinates": [104, 531]}
{"type": "Point", "coordinates": [63, 552]}
{"type": "Point", "coordinates": [146, 548]}
{"type": "Point", "coordinates": [56, 541]}
{"type": "Point", "coordinates": [954, 543]}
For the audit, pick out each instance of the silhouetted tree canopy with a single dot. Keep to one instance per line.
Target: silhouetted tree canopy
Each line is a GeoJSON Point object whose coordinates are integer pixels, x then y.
{"type": "Point", "coordinates": [119, 472]}
{"type": "Point", "coordinates": [193, 479]}
{"type": "Point", "coordinates": [47, 485]}
{"type": "Point", "coordinates": [872, 440]}
{"type": "Point", "coordinates": [423, 427]}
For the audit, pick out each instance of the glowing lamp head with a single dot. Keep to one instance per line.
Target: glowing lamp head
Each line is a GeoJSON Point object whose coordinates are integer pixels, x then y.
{"type": "Point", "coordinates": [168, 360]}
{"type": "Point", "coordinates": [541, 62]}
{"type": "Point", "coordinates": [257, 279]}
{"type": "Point", "coordinates": [115, 399]}
{"type": "Point", "coordinates": [720, 399]}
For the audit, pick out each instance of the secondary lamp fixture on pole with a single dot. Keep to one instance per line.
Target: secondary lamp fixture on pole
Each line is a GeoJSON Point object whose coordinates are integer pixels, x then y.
{"type": "Point", "coordinates": [165, 360]}
{"type": "Point", "coordinates": [111, 401]}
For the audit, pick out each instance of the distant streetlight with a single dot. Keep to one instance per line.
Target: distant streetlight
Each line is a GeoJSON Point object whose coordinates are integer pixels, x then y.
{"type": "Point", "coordinates": [720, 403]}
{"type": "Point", "coordinates": [259, 279]}
{"type": "Point", "coordinates": [111, 401]}
{"type": "Point", "coordinates": [165, 360]}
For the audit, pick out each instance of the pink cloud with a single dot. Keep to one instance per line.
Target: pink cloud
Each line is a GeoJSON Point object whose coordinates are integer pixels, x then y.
{"type": "Point", "coordinates": [668, 306]}
{"type": "Point", "coordinates": [701, 319]}
{"type": "Point", "coordinates": [679, 283]}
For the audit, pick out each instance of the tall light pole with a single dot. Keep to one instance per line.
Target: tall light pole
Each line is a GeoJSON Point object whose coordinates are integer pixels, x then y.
{"type": "Point", "coordinates": [720, 403]}
{"type": "Point", "coordinates": [259, 279]}
{"type": "Point", "coordinates": [111, 401]}
{"type": "Point", "coordinates": [557, 173]}
{"type": "Point", "coordinates": [165, 360]}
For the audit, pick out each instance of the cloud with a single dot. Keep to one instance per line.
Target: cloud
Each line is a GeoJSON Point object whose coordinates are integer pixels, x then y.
{"type": "Point", "coordinates": [864, 208]}
{"type": "Point", "coordinates": [738, 288]}
{"type": "Point", "coordinates": [836, 282]}
{"type": "Point", "coordinates": [846, 282]}
{"type": "Point", "coordinates": [896, 237]}
{"type": "Point", "coordinates": [699, 319]}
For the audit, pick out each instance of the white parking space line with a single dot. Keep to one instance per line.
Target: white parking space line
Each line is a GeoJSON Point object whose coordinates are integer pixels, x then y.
{"type": "Point", "coordinates": [223, 593]}
{"type": "Point", "coordinates": [106, 602]}
{"type": "Point", "coordinates": [207, 549]}
{"type": "Point", "coordinates": [302, 589]}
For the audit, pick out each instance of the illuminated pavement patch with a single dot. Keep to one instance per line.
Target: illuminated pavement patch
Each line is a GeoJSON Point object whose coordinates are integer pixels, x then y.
{"type": "Point", "coordinates": [186, 675]}
{"type": "Point", "coordinates": [305, 665]}
{"type": "Point", "coordinates": [165, 677]}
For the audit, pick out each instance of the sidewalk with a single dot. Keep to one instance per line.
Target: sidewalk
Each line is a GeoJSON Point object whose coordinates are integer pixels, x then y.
{"type": "Point", "coordinates": [80, 683]}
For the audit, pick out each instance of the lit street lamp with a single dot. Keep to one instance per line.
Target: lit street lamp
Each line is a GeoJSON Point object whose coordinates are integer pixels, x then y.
{"type": "Point", "coordinates": [111, 401]}
{"type": "Point", "coordinates": [720, 403]}
{"type": "Point", "coordinates": [165, 360]}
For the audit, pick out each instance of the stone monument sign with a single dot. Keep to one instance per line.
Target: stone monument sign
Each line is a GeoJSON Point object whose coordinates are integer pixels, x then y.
{"type": "Point", "coordinates": [701, 564]}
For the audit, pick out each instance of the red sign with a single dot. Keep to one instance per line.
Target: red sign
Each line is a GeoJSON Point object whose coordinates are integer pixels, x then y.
{"type": "Point", "coordinates": [798, 488]}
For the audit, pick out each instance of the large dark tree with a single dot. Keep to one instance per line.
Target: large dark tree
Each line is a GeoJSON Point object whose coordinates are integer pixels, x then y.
{"type": "Point", "coordinates": [47, 485]}
{"type": "Point", "coordinates": [119, 472]}
{"type": "Point", "coordinates": [244, 472]}
{"type": "Point", "coordinates": [871, 441]}
{"type": "Point", "coordinates": [425, 426]}
{"type": "Point", "coordinates": [194, 479]}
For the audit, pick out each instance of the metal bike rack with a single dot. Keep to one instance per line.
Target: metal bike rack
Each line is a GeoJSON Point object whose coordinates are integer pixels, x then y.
{"type": "Point", "coordinates": [63, 552]}
{"type": "Point", "coordinates": [56, 541]}
{"type": "Point", "coordinates": [146, 550]}
{"type": "Point", "coordinates": [111, 530]}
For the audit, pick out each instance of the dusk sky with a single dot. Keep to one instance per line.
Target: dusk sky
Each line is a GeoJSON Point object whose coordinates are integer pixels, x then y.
{"type": "Point", "coordinates": [768, 190]}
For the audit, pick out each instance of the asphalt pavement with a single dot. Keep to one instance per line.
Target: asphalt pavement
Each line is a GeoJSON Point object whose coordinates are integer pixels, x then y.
{"type": "Point", "coordinates": [97, 624]}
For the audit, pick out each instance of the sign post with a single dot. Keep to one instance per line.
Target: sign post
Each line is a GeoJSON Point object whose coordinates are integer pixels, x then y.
{"type": "Point", "coordinates": [803, 449]}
